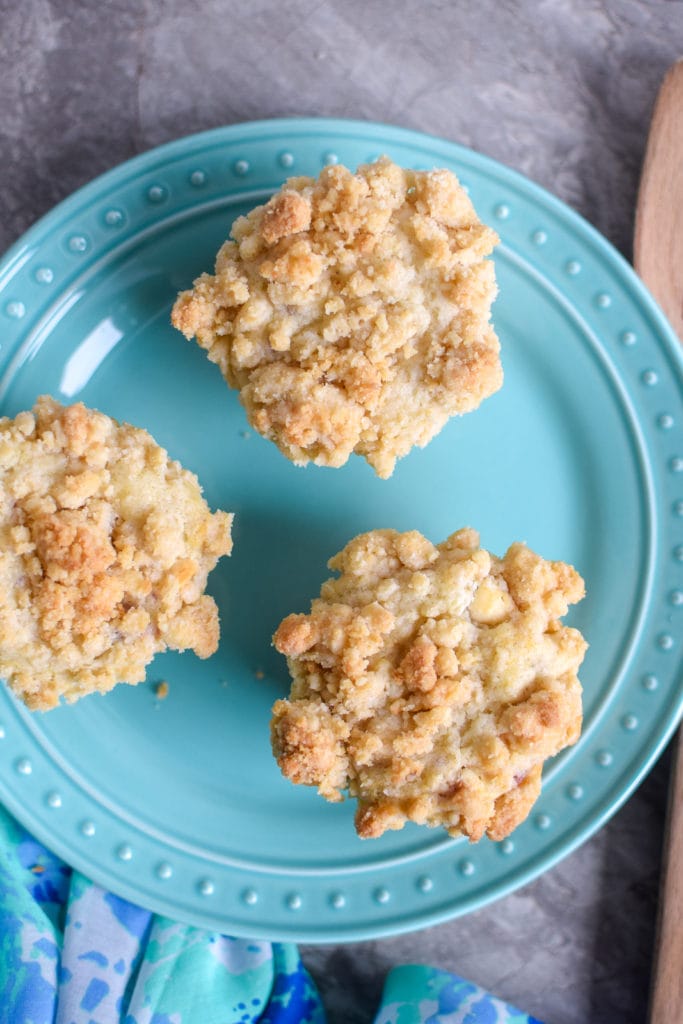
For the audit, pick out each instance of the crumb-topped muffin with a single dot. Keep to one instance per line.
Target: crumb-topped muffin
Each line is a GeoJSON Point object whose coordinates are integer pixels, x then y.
{"type": "Point", "coordinates": [105, 548]}
{"type": "Point", "coordinates": [432, 682]}
{"type": "Point", "coordinates": [352, 313]}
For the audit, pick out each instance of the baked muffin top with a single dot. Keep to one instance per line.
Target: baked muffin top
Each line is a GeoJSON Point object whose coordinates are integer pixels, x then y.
{"type": "Point", "coordinates": [352, 313]}
{"type": "Point", "coordinates": [432, 682]}
{"type": "Point", "coordinates": [105, 548]}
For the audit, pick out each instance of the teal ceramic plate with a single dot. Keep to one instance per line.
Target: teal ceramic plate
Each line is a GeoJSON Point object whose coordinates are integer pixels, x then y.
{"type": "Point", "coordinates": [178, 804]}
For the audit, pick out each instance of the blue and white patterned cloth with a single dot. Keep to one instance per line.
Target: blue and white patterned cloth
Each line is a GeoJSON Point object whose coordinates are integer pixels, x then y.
{"type": "Point", "coordinates": [71, 953]}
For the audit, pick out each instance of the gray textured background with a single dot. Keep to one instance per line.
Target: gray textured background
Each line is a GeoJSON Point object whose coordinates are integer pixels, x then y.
{"type": "Point", "coordinates": [561, 90]}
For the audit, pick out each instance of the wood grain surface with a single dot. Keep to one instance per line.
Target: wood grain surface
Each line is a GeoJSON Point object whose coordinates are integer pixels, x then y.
{"type": "Point", "coordinates": [658, 243]}
{"type": "Point", "coordinates": [658, 259]}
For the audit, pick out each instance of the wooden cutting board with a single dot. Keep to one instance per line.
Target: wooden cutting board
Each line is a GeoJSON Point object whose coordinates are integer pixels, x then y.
{"type": "Point", "coordinates": [658, 259]}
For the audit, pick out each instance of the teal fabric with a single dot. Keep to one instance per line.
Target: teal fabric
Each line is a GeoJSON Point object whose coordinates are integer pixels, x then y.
{"type": "Point", "coordinates": [72, 953]}
{"type": "Point", "coordinates": [424, 995]}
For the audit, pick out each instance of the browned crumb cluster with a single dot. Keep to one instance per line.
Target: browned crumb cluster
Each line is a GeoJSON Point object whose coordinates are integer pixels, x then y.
{"type": "Point", "coordinates": [105, 549]}
{"type": "Point", "coordinates": [352, 313]}
{"type": "Point", "coordinates": [432, 682]}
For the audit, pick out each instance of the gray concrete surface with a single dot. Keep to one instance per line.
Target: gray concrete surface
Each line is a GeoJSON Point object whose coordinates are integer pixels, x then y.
{"type": "Point", "coordinates": [562, 90]}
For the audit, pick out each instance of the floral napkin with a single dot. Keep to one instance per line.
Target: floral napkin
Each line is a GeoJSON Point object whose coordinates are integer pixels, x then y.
{"type": "Point", "coordinates": [72, 953]}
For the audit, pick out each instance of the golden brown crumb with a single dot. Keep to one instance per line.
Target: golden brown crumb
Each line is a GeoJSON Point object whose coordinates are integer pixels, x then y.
{"type": "Point", "coordinates": [352, 313]}
{"type": "Point", "coordinates": [161, 690]}
{"type": "Point", "coordinates": [432, 682]}
{"type": "Point", "coordinates": [105, 549]}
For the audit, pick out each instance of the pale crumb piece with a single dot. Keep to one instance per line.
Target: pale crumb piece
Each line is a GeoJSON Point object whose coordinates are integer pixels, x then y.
{"type": "Point", "coordinates": [352, 313]}
{"type": "Point", "coordinates": [161, 690]}
{"type": "Point", "coordinates": [435, 703]}
{"type": "Point", "coordinates": [259, 674]}
{"type": "Point", "coordinates": [105, 549]}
